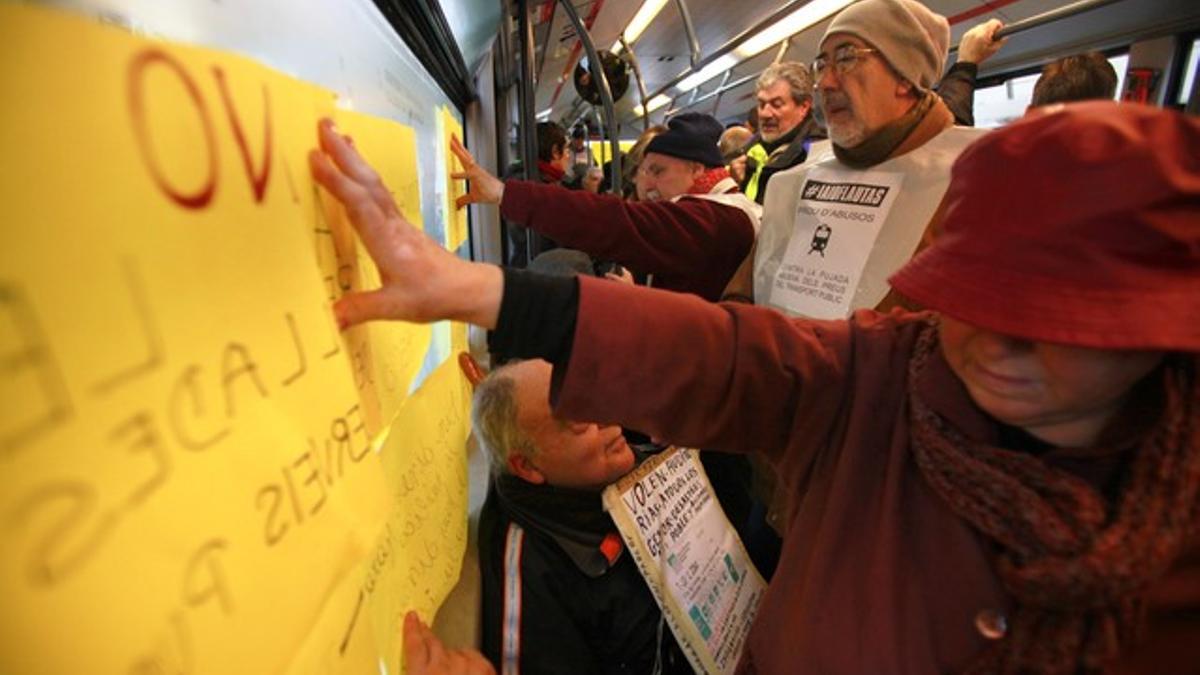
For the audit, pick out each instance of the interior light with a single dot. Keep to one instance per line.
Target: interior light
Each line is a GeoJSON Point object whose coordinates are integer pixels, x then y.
{"type": "Point", "coordinates": [655, 103]}
{"type": "Point", "coordinates": [707, 73]}
{"type": "Point", "coordinates": [649, 10]}
{"type": "Point", "coordinates": [799, 20]}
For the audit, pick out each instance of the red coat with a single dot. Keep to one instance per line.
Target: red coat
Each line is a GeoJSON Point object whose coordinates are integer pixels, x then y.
{"type": "Point", "coordinates": [690, 245]}
{"type": "Point", "coordinates": [877, 574]}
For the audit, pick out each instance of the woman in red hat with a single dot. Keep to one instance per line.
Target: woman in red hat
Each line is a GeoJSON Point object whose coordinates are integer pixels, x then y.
{"type": "Point", "coordinates": [1007, 483]}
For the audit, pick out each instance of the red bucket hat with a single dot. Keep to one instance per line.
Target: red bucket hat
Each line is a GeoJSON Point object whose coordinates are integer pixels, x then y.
{"type": "Point", "coordinates": [1078, 226]}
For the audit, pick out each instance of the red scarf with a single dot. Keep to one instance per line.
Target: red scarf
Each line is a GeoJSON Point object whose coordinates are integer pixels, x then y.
{"type": "Point", "coordinates": [707, 180]}
{"type": "Point", "coordinates": [1076, 566]}
{"type": "Point", "coordinates": [551, 173]}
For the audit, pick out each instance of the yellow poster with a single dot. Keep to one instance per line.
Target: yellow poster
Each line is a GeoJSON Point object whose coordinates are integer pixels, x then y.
{"type": "Point", "coordinates": [418, 555]}
{"type": "Point", "coordinates": [456, 219]}
{"type": "Point", "coordinates": [341, 641]}
{"type": "Point", "coordinates": [418, 558]}
{"type": "Point", "coordinates": [385, 355]}
{"type": "Point", "coordinates": [186, 475]}
{"type": "Point", "coordinates": [602, 150]}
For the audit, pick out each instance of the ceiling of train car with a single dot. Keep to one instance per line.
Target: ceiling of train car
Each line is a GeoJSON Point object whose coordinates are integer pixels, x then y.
{"type": "Point", "coordinates": [663, 50]}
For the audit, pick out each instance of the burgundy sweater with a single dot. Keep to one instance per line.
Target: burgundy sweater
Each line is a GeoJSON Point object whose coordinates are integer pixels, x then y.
{"type": "Point", "coordinates": [877, 574]}
{"type": "Point", "coordinates": [689, 245]}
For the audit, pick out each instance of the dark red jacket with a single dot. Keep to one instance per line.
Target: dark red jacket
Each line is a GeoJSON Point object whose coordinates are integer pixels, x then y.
{"type": "Point", "coordinates": [690, 245]}
{"type": "Point", "coordinates": [877, 574]}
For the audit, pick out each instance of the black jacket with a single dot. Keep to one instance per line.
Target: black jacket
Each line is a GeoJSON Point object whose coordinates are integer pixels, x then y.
{"type": "Point", "coordinates": [578, 612]}
{"type": "Point", "coordinates": [957, 90]}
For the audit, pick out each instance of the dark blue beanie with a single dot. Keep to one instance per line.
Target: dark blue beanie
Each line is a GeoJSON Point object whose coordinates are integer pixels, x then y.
{"type": "Point", "coordinates": [691, 136]}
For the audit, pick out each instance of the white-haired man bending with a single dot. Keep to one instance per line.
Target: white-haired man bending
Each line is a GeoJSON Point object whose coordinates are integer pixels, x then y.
{"type": "Point", "coordinates": [560, 594]}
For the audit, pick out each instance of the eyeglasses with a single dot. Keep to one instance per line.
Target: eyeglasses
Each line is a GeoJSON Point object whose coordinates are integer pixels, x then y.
{"type": "Point", "coordinates": [845, 58]}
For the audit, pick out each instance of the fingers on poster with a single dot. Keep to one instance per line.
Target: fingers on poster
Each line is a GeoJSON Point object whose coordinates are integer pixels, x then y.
{"type": "Point", "coordinates": [456, 219]}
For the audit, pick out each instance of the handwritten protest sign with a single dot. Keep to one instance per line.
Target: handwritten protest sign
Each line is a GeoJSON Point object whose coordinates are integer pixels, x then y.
{"type": "Point", "coordinates": [690, 556]}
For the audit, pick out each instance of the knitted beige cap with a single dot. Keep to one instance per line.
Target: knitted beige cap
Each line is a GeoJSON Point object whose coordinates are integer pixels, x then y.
{"type": "Point", "coordinates": [913, 39]}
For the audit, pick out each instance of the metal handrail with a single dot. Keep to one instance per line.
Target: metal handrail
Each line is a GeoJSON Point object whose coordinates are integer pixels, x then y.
{"type": "Point", "coordinates": [690, 29]}
{"type": "Point", "coordinates": [541, 64]}
{"type": "Point", "coordinates": [717, 92]}
{"type": "Point", "coordinates": [1048, 16]}
{"type": "Point", "coordinates": [525, 92]}
{"type": "Point", "coordinates": [597, 68]}
{"type": "Point", "coordinates": [637, 75]}
{"type": "Point", "coordinates": [724, 81]}
{"type": "Point", "coordinates": [525, 100]}
{"type": "Point", "coordinates": [731, 44]}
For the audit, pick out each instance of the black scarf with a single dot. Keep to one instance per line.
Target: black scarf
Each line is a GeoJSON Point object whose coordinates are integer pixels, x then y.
{"type": "Point", "coordinates": [574, 519]}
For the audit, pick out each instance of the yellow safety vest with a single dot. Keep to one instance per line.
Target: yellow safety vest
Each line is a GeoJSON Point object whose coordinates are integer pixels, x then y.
{"type": "Point", "coordinates": [759, 154]}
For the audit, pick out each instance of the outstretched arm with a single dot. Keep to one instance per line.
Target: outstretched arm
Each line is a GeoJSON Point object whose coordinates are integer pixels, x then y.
{"type": "Point", "coordinates": [693, 241]}
{"type": "Point", "coordinates": [482, 187]}
{"type": "Point", "coordinates": [957, 87]}
{"type": "Point", "coordinates": [607, 335]}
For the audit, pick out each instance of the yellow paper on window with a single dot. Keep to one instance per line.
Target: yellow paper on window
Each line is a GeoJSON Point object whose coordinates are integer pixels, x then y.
{"type": "Point", "coordinates": [186, 477]}
{"type": "Point", "coordinates": [418, 556]}
{"type": "Point", "coordinates": [602, 150]}
{"type": "Point", "coordinates": [418, 559]}
{"type": "Point", "coordinates": [385, 355]}
{"type": "Point", "coordinates": [459, 335]}
{"type": "Point", "coordinates": [341, 642]}
{"type": "Point", "coordinates": [456, 219]}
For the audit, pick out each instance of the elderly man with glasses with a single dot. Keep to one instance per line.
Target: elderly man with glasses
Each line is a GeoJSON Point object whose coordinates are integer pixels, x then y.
{"type": "Point", "coordinates": [836, 227]}
{"type": "Point", "coordinates": [870, 194]}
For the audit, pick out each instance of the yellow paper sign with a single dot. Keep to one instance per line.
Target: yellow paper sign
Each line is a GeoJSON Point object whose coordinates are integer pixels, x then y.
{"type": "Point", "coordinates": [385, 355]}
{"type": "Point", "coordinates": [186, 475]}
{"type": "Point", "coordinates": [419, 556]}
{"type": "Point", "coordinates": [602, 150]}
{"type": "Point", "coordinates": [456, 219]}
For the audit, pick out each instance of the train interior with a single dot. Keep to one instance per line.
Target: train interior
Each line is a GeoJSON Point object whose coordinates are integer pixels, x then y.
{"type": "Point", "coordinates": [704, 55]}
{"type": "Point", "coordinates": [490, 70]}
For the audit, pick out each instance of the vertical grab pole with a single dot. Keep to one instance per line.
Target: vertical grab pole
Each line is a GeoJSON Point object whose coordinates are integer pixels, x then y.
{"type": "Point", "coordinates": [690, 29]}
{"type": "Point", "coordinates": [606, 99]}
{"type": "Point", "coordinates": [529, 150]}
{"type": "Point", "coordinates": [637, 74]}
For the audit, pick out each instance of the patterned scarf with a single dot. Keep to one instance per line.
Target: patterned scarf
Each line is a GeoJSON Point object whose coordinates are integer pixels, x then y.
{"type": "Point", "coordinates": [1076, 567]}
{"type": "Point", "coordinates": [704, 184]}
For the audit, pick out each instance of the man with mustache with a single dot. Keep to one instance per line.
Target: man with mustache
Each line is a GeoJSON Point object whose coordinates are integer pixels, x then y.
{"type": "Point", "coordinates": [875, 188]}
{"type": "Point", "coordinates": [786, 127]}
{"type": "Point", "coordinates": [560, 595]}
{"type": "Point", "coordinates": [835, 228]}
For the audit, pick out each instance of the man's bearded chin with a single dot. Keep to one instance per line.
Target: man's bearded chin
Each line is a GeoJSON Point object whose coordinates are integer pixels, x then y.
{"type": "Point", "coordinates": [849, 131]}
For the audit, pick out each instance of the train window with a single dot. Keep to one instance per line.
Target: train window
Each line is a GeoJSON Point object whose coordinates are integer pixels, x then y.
{"type": "Point", "coordinates": [1189, 75]}
{"type": "Point", "coordinates": [1002, 103]}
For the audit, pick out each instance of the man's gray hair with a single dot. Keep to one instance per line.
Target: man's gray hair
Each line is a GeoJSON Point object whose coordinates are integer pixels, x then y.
{"type": "Point", "coordinates": [794, 73]}
{"type": "Point", "coordinates": [494, 419]}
